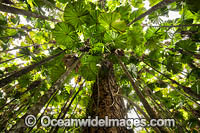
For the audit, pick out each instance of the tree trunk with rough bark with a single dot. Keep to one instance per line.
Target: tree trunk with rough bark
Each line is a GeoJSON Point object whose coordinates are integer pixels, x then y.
{"type": "Point", "coordinates": [105, 102]}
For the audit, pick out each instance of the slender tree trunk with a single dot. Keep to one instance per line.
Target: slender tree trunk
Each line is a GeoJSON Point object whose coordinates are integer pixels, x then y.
{"type": "Point", "coordinates": [35, 109]}
{"type": "Point", "coordinates": [8, 9]}
{"type": "Point", "coordinates": [195, 112]}
{"type": "Point", "coordinates": [33, 85]}
{"type": "Point", "coordinates": [183, 51]}
{"type": "Point", "coordinates": [4, 75]}
{"type": "Point", "coordinates": [52, 5]}
{"type": "Point", "coordinates": [175, 88]}
{"type": "Point", "coordinates": [109, 105]}
{"type": "Point", "coordinates": [140, 110]}
{"type": "Point", "coordinates": [187, 90]}
{"type": "Point", "coordinates": [66, 109]}
{"type": "Point", "coordinates": [5, 115]}
{"type": "Point", "coordinates": [171, 26]}
{"type": "Point", "coordinates": [22, 47]}
{"type": "Point", "coordinates": [148, 92]}
{"type": "Point", "coordinates": [16, 28]}
{"type": "Point", "coordinates": [137, 107]}
{"type": "Point", "coordinates": [12, 59]}
{"type": "Point", "coordinates": [138, 92]}
{"type": "Point", "coordinates": [9, 73]}
{"type": "Point", "coordinates": [12, 36]}
{"type": "Point", "coordinates": [140, 119]}
{"type": "Point", "coordinates": [72, 91]}
{"type": "Point", "coordinates": [153, 9]}
{"type": "Point", "coordinates": [146, 105]}
{"type": "Point", "coordinates": [73, 113]}
{"type": "Point", "coordinates": [25, 70]}
{"type": "Point", "coordinates": [4, 121]}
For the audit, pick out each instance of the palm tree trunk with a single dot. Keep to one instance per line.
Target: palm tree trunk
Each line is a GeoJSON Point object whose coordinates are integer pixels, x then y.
{"type": "Point", "coordinates": [187, 90]}
{"type": "Point", "coordinates": [171, 26]}
{"type": "Point", "coordinates": [12, 36]}
{"type": "Point", "coordinates": [153, 9]}
{"type": "Point", "coordinates": [140, 110]}
{"type": "Point", "coordinates": [25, 70]}
{"type": "Point", "coordinates": [20, 47]}
{"type": "Point", "coordinates": [7, 74]}
{"type": "Point", "coordinates": [72, 91]}
{"type": "Point", "coordinates": [185, 52]}
{"type": "Point", "coordinates": [66, 109]}
{"type": "Point", "coordinates": [146, 105]}
{"type": "Point", "coordinates": [138, 92]}
{"type": "Point", "coordinates": [109, 104]}
{"type": "Point", "coordinates": [13, 10]}
{"type": "Point", "coordinates": [16, 28]}
{"type": "Point", "coordinates": [33, 85]}
{"type": "Point", "coordinates": [175, 88]}
{"type": "Point", "coordinates": [5, 120]}
{"type": "Point", "coordinates": [52, 5]}
{"type": "Point", "coordinates": [12, 59]}
{"type": "Point", "coordinates": [35, 109]}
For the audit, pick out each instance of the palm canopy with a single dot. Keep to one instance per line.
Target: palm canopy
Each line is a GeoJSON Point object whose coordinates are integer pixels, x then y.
{"type": "Point", "coordinates": [155, 61]}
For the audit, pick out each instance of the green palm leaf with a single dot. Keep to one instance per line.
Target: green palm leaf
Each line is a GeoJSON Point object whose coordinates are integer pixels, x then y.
{"type": "Point", "coordinates": [76, 14]}
{"type": "Point", "coordinates": [112, 20]}
{"type": "Point", "coordinates": [65, 35]}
